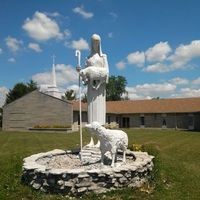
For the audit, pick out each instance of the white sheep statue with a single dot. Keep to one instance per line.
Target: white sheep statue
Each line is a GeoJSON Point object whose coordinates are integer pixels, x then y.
{"type": "Point", "coordinates": [94, 75]}
{"type": "Point", "coordinates": [110, 140]}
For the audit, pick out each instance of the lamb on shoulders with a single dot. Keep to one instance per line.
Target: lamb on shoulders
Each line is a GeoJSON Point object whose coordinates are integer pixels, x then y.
{"type": "Point", "coordinates": [93, 75]}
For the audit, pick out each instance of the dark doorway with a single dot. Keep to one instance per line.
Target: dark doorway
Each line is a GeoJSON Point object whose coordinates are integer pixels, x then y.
{"type": "Point", "coordinates": [125, 122]}
{"type": "Point", "coordinates": [142, 121]}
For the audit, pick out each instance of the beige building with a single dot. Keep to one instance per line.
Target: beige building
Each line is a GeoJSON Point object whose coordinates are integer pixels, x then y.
{"type": "Point", "coordinates": [182, 113]}
{"type": "Point", "coordinates": [39, 109]}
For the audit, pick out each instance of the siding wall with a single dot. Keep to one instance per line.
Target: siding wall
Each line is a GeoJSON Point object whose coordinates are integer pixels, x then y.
{"type": "Point", "coordinates": [36, 108]}
{"type": "Point", "coordinates": [180, 120]}
{"type": "Point", "coordinates": [173, 120]}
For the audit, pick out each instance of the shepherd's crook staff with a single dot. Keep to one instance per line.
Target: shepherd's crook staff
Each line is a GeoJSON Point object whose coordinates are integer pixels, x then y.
{"type": "Point", "coordinates": [78, 68]}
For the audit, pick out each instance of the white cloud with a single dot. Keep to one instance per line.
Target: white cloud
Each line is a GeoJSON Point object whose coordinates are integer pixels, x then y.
{"type": "Point", "coordinates": [161, 58]}
{"type": "Point", "coordinates": [196, 81]}
{"type": "Point", "coordinates": [80, 44]}
{"type": "Point", "coordinates": [41, 27]}
{"type": "Point", "coordinates": [179, 81]}
{"type": "Point", "coordinates": [13, 44]}
{"type": "Point", "coordinates": [11, 60]}
{"type": "Point", "coordinates": [155, 89]}
{"type": "Point", "coordinates": [81, 11]}
{"type": "Point", "coordinates": [137, 58]}
{"type": "Point", "coordinates": [173, 88]}
{"type": "Point", "coordinates": [158, 52]}
{"type": "Point", "coordinates": [35, 47]}
{"type": "Point", "coordinates": [3, 92]}
{"type": "Point", "coordinates": [53, 14]}
{"type": "Point", "coordinates": [185, 53]}
{"type": "Point", "coordinates": [189, 92]}
{"type": "Point", "coordinates": [158, 67]}
{"type": "Point", "coordinates": [65, 75]}
{"type": "Point", "coordinates": [121, 65]}
{"type": "Point", "coordinates": [1, 51]}
{"type": "Point", "coordinates": [150, 90]}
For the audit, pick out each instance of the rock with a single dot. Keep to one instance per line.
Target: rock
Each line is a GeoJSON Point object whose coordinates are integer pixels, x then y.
{"type": "Point", "coordinates": [83, 175]}
{"type": "Point", "coordinates": [62, 187]}
{"type": "Point", "coordinates": [36, 186]}
{"type": "Point", "coordinates": [123, 180]}
{"type": "Point", "coordinates": [82, 189]}
{"type": "Point", "coordinates": [43, 189]}
{"type": "Point", "coordinates": [83, 184]}
{"type": "Point", "coordinates": [101, 184]}
{"type": "Point", "coordinates": [101, 175]}
{"type": "Point", "coordinates": [69, 184]}
{"type": "Point", "coordinates": [116, 184]}
{"type": "Point", "coordinates": [60, 182]}
{"type": "Point", "coordinates": [118, 175]}
{"type": "Point", "coordinates": [93, 188]}
{"type": "Point", "coordinates": [45, 183]}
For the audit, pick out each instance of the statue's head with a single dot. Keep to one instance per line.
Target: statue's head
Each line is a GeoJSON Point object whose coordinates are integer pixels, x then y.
{"type": "Point", "coordinates": [96, 44]}
{"type": "Point", "coordinates": [96, 37]}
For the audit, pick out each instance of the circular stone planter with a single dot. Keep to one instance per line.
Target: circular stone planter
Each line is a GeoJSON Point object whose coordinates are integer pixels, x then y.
{"type": "Point", "coordinates": [61, 171]}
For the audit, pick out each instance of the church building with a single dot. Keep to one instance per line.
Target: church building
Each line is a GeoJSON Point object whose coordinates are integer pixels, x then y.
{"type": "Point", "coordinates": [40, 109]}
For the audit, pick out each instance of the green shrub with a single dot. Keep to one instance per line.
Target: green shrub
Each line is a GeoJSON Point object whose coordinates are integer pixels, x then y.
{"type": "Point", "coordinates": [51, 126]}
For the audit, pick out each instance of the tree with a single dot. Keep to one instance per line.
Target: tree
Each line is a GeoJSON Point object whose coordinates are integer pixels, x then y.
{"type": "Point", "coordinates": [115, 88]}
{"type": "Point", "coordinates": [69, 95]}
{"type": "Point", "coordinates": [155, 98]}
{"type": "Point", "coordinates": [19, 90]}
{"type": "Point", "coordinates": [32, 85]}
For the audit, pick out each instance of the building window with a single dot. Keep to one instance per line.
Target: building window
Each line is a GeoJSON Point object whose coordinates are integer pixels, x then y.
{"type": "Point", "coordinates": [142, 121]}
{"type": "Point", "coordinates": [117, 120]}
{"type": "Point", "coordinates": [108, 119]}
{"type": "Point", "coordinates": [191, 122]}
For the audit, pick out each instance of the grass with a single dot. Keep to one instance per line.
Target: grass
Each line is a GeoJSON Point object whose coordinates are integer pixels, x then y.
{"type": "Point", "coordinates": [176, 173]}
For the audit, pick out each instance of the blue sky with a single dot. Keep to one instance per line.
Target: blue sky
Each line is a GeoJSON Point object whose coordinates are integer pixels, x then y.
{"type": "Point", "coordinates": [155, 44]}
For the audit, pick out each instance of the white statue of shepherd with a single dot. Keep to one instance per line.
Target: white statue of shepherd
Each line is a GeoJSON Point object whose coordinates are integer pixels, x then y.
{"type": "Point", "coordinates": [95, 75]}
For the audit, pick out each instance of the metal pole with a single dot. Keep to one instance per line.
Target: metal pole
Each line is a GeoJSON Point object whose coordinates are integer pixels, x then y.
{"type": "Point", "coordinates": [80, 113]}
{"type": "Point", "coordinates": [78, 68]}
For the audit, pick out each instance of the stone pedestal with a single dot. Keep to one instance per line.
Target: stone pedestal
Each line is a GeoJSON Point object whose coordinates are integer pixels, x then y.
{"type": "Point", "coordinates": [62, 172]}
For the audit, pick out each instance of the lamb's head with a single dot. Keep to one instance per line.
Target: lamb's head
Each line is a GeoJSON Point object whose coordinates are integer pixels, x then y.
{"type": "Point", "coordinates": [94, 127]}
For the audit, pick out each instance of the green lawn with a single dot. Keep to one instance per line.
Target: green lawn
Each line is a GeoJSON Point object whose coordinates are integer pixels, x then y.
{"type": "Point", "coordinates": [176, 173]}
